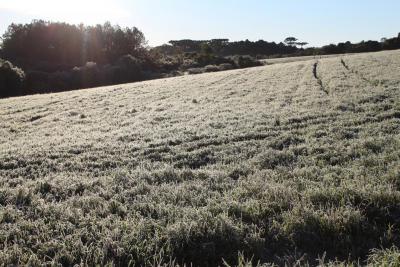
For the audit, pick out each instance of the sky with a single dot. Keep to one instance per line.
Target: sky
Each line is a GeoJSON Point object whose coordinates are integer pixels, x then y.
{"type": "Point", "coordinates": [318, 22]}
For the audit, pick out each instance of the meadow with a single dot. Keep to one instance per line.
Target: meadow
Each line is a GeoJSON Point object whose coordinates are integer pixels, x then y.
{"type": "Point", "coordinates": [291, 164]}
{"type": "Point", "coordinates": [279, 60]}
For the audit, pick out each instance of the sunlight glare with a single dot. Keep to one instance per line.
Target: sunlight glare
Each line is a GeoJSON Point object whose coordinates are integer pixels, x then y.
{"type": "Point", "coordinates": [74, 11]}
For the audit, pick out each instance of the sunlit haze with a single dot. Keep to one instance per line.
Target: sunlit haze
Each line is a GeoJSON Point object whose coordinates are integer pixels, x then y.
{"type": "Point", "coordinates": [317, 22]}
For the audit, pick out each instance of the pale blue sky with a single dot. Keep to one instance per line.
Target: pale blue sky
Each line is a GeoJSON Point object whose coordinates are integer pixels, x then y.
{"type": "Point", "coordinates": [318, 22]}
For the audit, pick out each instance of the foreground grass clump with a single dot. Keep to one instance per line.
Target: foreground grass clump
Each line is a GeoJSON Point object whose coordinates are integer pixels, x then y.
{"type": "Point", "coordinates": [387, 257]}
{"type": "Point", "coordinates": [237, 168]}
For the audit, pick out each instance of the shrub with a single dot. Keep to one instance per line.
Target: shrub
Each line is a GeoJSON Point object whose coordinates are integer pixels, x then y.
{"type": "Point", "coordinates": [36, 81]}
{"type": "Point", "coordinates": [189, 63]}
{"type": "Point", "coordinates": [195, 71]}
{"type": "Point", "coordinates": [226, 66]}
{"type": "Point", "coordinates": [11, 79]}
{"type": "Point", "coordinates": [129, 69]}
{"type": "Point", "coordinates": [246, 62]}
{"type": "Point", "coordinates": [204, 59]}
{"type": "Point", "coordinates": [171, 63]}
{"type": "Point", "coordinates": [385, 257]}
{"type": "Point", "coordinates": [109, 74]}
{"type": "Point", "coordinates": [44, 82]}
{"type": "Point", "coordinates": [87, 75]}
{"type": "Point", "coordinates": [126, 69]}
{"type": "Point", "coordinates": [211, 68]}
{"type": "Point", "coordinates": [47, 66]}
{"type": "Point", "coordinates": [209, 59]}
{"type": "Point", "coordinates": [60, 81]}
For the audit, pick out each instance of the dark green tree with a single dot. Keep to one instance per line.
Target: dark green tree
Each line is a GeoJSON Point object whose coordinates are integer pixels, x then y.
{"type": "Point", "coordinates": [301, 44]}
{"type": "Point", "coordinates": [290, 41]}
{"type": "Point", "coordinates": [206, 49]}
{"type": "Point", "coordinates": [52, 46]}
{"type": "Point", "coordinates": [11, 79]}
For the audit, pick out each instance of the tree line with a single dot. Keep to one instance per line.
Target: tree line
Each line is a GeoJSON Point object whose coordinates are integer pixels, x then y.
{"type": "Point", "coordinates": [291, 46]}
{"type": "Point", "coordinates": [51, 46]}
{"type": "Point", "coordinates": [53, 56]}
{"type": "Point", "coordinates": [44, 56]}
{"type": "Point", "coordinates": [223, 47]}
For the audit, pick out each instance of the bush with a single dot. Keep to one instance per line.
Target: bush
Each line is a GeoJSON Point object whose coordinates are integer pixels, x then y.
{"type": "Point", "coordinates": [11, 79]}
{"type": "Point", "coordinates": [60, 81]}
{"type": "Point", "coordinates": [168, 63]}
{"type": "Point", "coordinates": [195, 71]}
{"type": "Point", "coordinates": [126, 69]}
{"type": "Point", "coordinates": [86, 76]}
{"type": "Point", "coordinates": [189, 63]}
{"type": "Point", "coordinates": [246, 62]}
{"type": "Point", "coordinates": [385, 257]}
{"type": "Point", "coordinates": [49, 67]}
{"type": "Point", "coordinates": [226, 66]}
{"type": "Point", "coordinates": [44, 82]}
{"type": "Point", "coordinates": [36, 81]}
{"type": "Point", "coordinates": [211, 68]}
{"type": "Point", "coordinates": [129, 69]}
{"type": "Point", "coordinates": [108, 74]}
{"type": "Point", "coordinates": [208, 59]}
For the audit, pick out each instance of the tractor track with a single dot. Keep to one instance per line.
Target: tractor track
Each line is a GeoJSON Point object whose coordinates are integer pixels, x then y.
{"type": "Point", "coordinates": [318, 78]}
{"type": "Point", "coordinates": [358, 74]}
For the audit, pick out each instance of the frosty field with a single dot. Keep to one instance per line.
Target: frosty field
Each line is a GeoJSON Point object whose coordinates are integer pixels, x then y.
{"type": "Point", "coordinates": [291, 163]}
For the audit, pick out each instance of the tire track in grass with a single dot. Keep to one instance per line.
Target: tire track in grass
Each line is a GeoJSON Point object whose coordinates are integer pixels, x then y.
{"type": "Point", "coordinates": [372, 82]}
{"type": "Point", "coordinates": [319, 81]}
{"type": "Point", "coordinates": [225, 78]}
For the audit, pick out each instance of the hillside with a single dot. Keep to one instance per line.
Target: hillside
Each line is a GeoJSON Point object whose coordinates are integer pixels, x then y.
{"type": "Point", "coordinates": [289, 162]}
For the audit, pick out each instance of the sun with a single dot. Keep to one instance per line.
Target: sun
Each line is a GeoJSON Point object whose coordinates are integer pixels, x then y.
{"type": "Point", "coordinates": [73, 11]}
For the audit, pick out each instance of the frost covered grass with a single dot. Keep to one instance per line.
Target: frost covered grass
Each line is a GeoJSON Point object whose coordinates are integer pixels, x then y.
{"type": "Point", "coordinates": [231, 168]}
{"type": "Point", "coordinates": [280, 60]}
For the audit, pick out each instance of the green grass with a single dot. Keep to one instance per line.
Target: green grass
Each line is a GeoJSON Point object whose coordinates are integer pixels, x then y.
{"type": "Point", "coordinates": [236, 168]}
